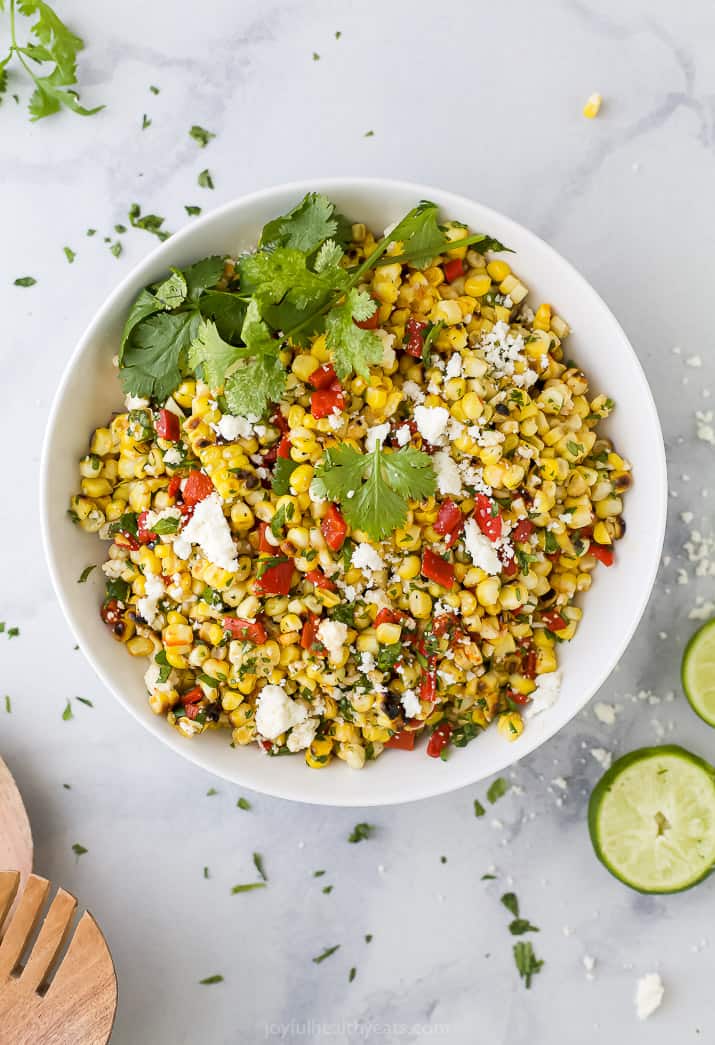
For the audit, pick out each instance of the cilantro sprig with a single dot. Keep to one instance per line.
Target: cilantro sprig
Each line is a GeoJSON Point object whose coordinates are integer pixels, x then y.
{"type": "Point", "coordinates": [373, 489]}
{"type": "Point", "coordinates": [297, 284]}
{"type": "Point", "coordinates": [50, 60]}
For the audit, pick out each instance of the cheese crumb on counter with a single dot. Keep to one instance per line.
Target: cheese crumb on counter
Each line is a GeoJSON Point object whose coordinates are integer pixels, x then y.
{"type": "Point", "coordinates": [649, 995]}
{"type": "Point", "coordinates": [548, 689]}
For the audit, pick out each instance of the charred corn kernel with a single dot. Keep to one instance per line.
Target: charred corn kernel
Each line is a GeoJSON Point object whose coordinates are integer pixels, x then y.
{"type": "Point", "coordinates": [593, 106]}
{"type": "Point", "coordinates": [542, 317]}
{"type": "Point", "coordinates": [420, 605]}
{"type": "Point", "coordinates": [608, 507]}
{"type": "Point", "coordinates": [178, 636]}
{"type": "Point", "coordinates": [510, 725]}
{"type": "Point", "coordinates": [376, 398]}
{"type": "Point", "coordinates": [387, 633]}
{"type": "Point", "coordinates": [303, 366]}
{"type": "Point", "coordinates": [409, 567]}
{"type": "Point", "coordinates": [601, 534]}
{"type": "Point", "coordinates": [498, 270]}
{"type": "Point", "coordinates": [448, 312]}
{"type": "Point", "coordinates": [101, 442]}
{"type": "Point", "coordinates": [477, 284]}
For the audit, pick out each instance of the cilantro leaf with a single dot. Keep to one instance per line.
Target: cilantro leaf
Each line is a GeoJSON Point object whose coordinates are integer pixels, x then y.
{"type": "Point", "coordinates": [371, 489]}
{"type": "Point", "coordinates": [423, 238]}
{"type": "Point", "coordinates": [148, 222]}
{"type": "Point", "coordinates": [204, 274]}
{"type": "Point", "coordinates": [283, 272]}
{"type": "Point", "coordinates": [144, 304]}
{"type": "Point", "coordinates": [213, 353]}
{"type": "Point", "coordinates": [154, 353]}
{"type": "Point", "coordinates": [227, 311]}
{"type": "Point", "coordinates": [511, 903]}
{"type": "Point", "coordinates": [353, 348]}
{"type": "Point", "coordinates": [305, 227]}
{"type": "Point", "coordinates": [526, 961]}
{"type": "Point", "coordinates": [56, 45]}
{"type": "Point", "coordinates": [519, 926]}
{"type": "Point", "coordinates": [200, 135]}
{"type": "Point", "coordinates": [251, 389]}
{"type": "Point", "coordinates": [172, 292]}
{"type": "Point", "coordinates": [284, 468]}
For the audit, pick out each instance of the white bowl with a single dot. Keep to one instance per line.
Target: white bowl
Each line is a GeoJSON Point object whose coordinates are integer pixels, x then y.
{"type": "Point", "coordinates": [90, 391]}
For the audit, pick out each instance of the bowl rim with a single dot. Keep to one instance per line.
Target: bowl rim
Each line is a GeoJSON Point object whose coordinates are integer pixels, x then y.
{"type": "Point", "coordinates": [432, 786]}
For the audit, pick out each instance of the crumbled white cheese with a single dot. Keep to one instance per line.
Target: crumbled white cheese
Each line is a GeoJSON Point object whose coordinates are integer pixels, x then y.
{"type": "Point", "coordinates": [605, 713]}
{"type": "Point", "coordinates": [403, 435]}
{"type": "Point", "coordinates": [413, 391]}
{"type": "Point", "coordinates": [154, 591]}
{"type": "Point", "coordinates": [114, 568]}
{"type": "Point", "coordinates": [333, 634]}
{"type": "Point", "coordinates": [172, 456]}
{"type": "Point", "coordinates": [231, 428]}
{"type": "Point", "coordinates": [454, 366]}
{"type": "Point", "coordinates": [366, 558]}
{"type": "Point", "coordinates": [501, 349]}
{"type": "Point", "coordinates": [410, 703]}
{"type": "Point", "coordinates": [702, 610]}
{"type": "Point", "coordinates": [449, 480]}
{"type": "Point", "coordinates": [589, 964]}
{"type": "Point", "coordinates": [548, 689]}
{"type": "Point", "coordinates": [431, 422]}
{"type": "Point", "coordinates": [603, 757]}
{"type": "Point", "coordinates": [376, 434]}
{"type": "Point", "coordinates": [135, 402]}
{"type": "Point", "coordinates": [336, 419]}
{"type": "Point", "coordinates": [491, 437]}
{"type": "Point", "coordinates": [367, 662]}
{"type": "Point", "coordinates": [705, 427]}
{"type": "Point", "coordinates": [209, 528]}
{"type": "Point", "coordinates": [694, 361]}
{"type": "Point", "coordinates": [302, 735]}
{"type": "Point", "coordinates": [276, 712]}
{"type": "Point", "coordinates": [649, 995]}
{"type": "Point", "coordinates": [388, 352]}
{"type": "Point", "coordinates": [481, 549]}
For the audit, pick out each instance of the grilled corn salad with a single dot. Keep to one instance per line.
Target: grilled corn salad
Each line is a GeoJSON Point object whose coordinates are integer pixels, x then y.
{"type": "Point", "coordinates": [355, 492]}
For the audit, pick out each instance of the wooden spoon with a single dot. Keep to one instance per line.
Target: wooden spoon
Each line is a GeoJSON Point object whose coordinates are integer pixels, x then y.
{"type": "Point", "coordinates": [15, 834]}
{"type": "Point", "coordinates": [43, 1001]}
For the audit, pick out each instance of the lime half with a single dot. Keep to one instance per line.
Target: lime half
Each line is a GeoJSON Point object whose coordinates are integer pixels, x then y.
{"type": "Point", "coordinates": [698, 672]}
{"type": "Point", "coordinates": [652, 819]}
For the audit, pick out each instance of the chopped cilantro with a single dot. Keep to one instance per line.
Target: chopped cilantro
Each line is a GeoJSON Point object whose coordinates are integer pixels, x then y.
{"type": "Point", "coordinates": [243, 803]}
{"type": "Point", "coordinates": [8, 705]}
{"type": "Point", "coordinates": [153, 89]}
{"type": "Point", "coordinates": [526, 961]}
{"type": "Point", "coordinates": [316, 56]}
{"type": "Point", "coordinates": [192, 210]}
{"type": "Point", "coordinates": [216, 978]}
{"type": "Point", "coordinates": [116, 249]}
{"type": "Point", "coordinates": [148, 222]}
{"type": "Point", "coordinates": [318, 874]}
{"type": "Point", "coordinates": [327, 889]}
{"type": "Point", "coordinates": [326, 954]}
{"type": "Point", "coordinates": [25, 281]}
{"type": "Point", "coordinates": [206, 872]}
{"type": "Point", "coordinates": [519, 926]}
{"type": "Point", "coordinates": [511, 903]}
{"type": "Point", "coordinates": [247, 887]}
{"type": "Point", "coordinates": [200, 135]}
{"type": "Point", "coordinates": [87, 703]}
{"type": "Point", "coordinates": [211, 792]}
{"type": "Point", "coordinates": [12, 633]}
{"type": "Point", "coordinates": [283, 470]}
{"type": "Point", "coordinates": [488, 878]}
{"type": "Point", "coordinates": [79, 850]}
{"type": "Point", "coordinates": [91, 232]}
{"type": "Point", "coordinates": [368, 937]}
{"type": "Point", "coordinates": [86, 572]}
{"type": "Point", "coordinates": [258, 864]}
{"type": "Point", "coordinates": [69, 254]}
{"type": "Point", "coordinates": [360, 832]}
{"type": "Point", "coordinates": [369, 134]}
{"type": "Point", "coordinates": [205, 180]}
{"type": "Point", "coordinates": [67, 713]}
{"type": "Point", "coordinates": [146, 122]}
{"type": "Point", "coordinates": [352, 974]}
{"type": "Point", "coordinates": [497, 789]}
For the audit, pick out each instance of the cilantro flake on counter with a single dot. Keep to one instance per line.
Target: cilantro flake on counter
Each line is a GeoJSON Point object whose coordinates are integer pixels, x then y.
{"type": "Point", "coordinates": [79, 850]}
{"type": "Point", "coordinates": [526, 962]}
{"type": "Point", "coordinates": [146, 122]}
{"type": "Point", "coordinates": [216, 978]}
{"type": "Point", "coordinates": [25, 281]}
{"type": "Point", "coordinates": [243, 803]}
{"type": "Point", "coordinates": [511, 903]}
{"type": "Point", "coordinates": [352, 974]}
{"type": "Point", "coordinates": [205, 181]}
{"type": "Point", "coordinates": [86, 572]}
{"type": "Point", "coordinates": [360, 832]}
{"type": "Point", "coordinates": [247, 887]}
{"type": "Point", "coordinates": [8, 704]}
{"type": "Point", "coordinates": [69, 254]}
{"type": "Point", "coordinates": [201, 136]}
{"type": "Point", "coordinates": [83, 700]}
{"type": "Point", "coordinates": [479, 809]}
{"type": "Point", "coordinates": [258, 864]}
{"type": "Point", "coordinates": [67, 713]}
{"type": "Point", "coordinates": [497, 789]}
{"type": "Point", "coordinates": [148, 222]}
{"type": "Point", "coordinates": [326, 954]}
{"type": "Point", "coordinates": [192, 210]}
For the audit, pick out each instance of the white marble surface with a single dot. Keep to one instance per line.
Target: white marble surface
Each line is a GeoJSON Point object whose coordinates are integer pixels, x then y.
{"type": "Point", "coordinates": [484, 100]}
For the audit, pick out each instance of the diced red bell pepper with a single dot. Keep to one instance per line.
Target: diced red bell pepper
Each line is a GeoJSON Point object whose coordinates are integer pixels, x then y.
{"type": "Point", "coordinates": [603, 554]}
{"type": "Point", "coordinates": [168, 426]}
{"type": "Point", "coordinates": [439, 740]}
{"type": "Point", "coordinates": [509, 567]}
{"type": "Point", "coordinates": [276, 580]}
{"type": "Point", "coordinates": [428, 686]}
{"type": "Point", "coordinates": [193, 696]}
{"type": "Point", "coordinates": [264, 545]}
{"type": "Point", "coordinates": [192, 711]}
{"type": "Point", "coordinates": [309, 634]}
{"type": "Point", "coordinates": [318, 578]}
{"type": "Point", "coordinates": [325, 401]}
{"type": "Point", "coordinates": [280, 422]}
{"type": "Point", "coordinates": [437, 569]}
{"type": "Point", "coordinates": [414, 342]}
{"type": "Point", "coordinates": [528, 662]}
{"type": "Point", "coordinates": [268, 457]}
{"type": "Point", "coordinates": [553, 620]}
{"type": "Point", "coordinates": [283, 447]}
{"type": "Point", "coordinates": [522, 531]}
{"type": "Point", "coordinates": [144, 536]}
{"type": "Point", "coordinates": [453, 269]}
{"type": "Point", "coordinates": [323, 377]}
{"type": "Point", "coordinates": [334, 528]}
{"type": "Point", "coordinates": [174, 488]}
{"type": "Point", "coordinates": [518, 698]}
{"type": "Point", "coordinates": [404, 740]}
{"type": "Point", "coordinates": [371, 323]}
{"type": "Point", "coordinates": [487, 515]}
{"type": "Point", "coordinates": [388, 616]}
{"type": "Point", "coordinates": [449, 522]}
{"type": "Point", "coordinates": [197, 487]}
{"type": "Point", "coordinates": [247, 630]}
{"type": "Point", "coordinates": [110, 613]}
